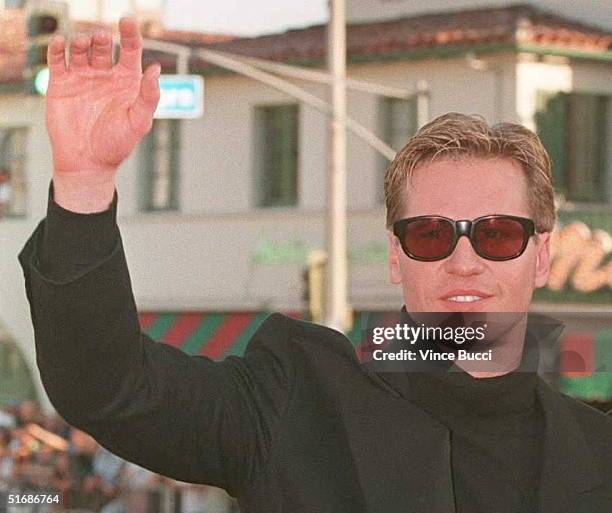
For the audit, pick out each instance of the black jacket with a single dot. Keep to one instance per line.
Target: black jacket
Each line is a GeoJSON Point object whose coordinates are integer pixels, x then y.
{"type": "Point", "coordinates": [296, 425]}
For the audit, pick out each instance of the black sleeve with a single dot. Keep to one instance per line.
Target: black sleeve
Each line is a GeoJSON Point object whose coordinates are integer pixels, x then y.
{"type": "Point", "coordinates": [183, 416]}
{"type": "Point", "coordinates": [75, 243]}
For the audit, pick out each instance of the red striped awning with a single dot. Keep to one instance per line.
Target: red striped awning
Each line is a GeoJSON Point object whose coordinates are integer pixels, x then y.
{"type": "Point", "coordinates": [212, 334]}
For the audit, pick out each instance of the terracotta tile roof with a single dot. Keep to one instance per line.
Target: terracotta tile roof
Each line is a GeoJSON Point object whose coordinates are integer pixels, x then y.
{"type": "Point", "coordinates": [507, 27]}
{"type": "Point", "coordinates": [154, 30]}
{"type": "Point", "coordinates": [514, 25]}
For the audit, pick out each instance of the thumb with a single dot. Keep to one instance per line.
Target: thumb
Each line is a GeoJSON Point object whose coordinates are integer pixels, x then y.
{"type": "Point", "coordinates": [142, 110]}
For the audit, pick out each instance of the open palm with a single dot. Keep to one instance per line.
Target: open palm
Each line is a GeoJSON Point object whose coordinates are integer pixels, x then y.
{"type": "Point", "coordinates": [97, 112]}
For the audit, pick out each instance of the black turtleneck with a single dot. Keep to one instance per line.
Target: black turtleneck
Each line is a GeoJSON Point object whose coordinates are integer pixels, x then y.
{"type": "Point", "coordinates": [496, 427]}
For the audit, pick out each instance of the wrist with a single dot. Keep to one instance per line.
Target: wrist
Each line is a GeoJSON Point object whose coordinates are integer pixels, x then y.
{"type": "Point", "coordinates": [84, 192]}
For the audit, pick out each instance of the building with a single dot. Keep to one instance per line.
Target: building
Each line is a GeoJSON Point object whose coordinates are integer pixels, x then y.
{"type": "Point", "coordinates": [218, 214]}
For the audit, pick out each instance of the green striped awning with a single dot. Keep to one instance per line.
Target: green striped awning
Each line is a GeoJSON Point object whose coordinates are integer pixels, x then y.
{"type": "Point", "coordinates": [217, 334]}
{"type": "Point", "coordinates": [212, 334]}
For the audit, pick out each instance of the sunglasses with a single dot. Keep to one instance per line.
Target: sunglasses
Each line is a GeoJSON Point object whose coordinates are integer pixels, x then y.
{"type": "Point", "coordinates": [494, 237]}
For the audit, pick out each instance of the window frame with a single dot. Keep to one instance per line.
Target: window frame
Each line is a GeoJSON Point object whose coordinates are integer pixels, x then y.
{"type": "Point", "coordinates": [260, 198]}
{"type": "Point", "coordinates": [386, 129]}
{"type": "Point", "coordinates": [22, 157]}
{"type": "Point", "coordinates": [148, 158]}
{"type": "Point", "coordinates": [552, 125]}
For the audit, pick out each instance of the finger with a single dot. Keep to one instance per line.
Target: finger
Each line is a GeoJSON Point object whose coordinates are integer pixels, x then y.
{"type": "Point", "coordinates": [102, 50]}
{"type": "Point", "coordinates": [131, 44]}
{"type": "Point", "coordinates": [56, 56]}
{"type": "Point", "coordinates": [142, 110]}
{"type": "Point", "coordinates": [79, 52]}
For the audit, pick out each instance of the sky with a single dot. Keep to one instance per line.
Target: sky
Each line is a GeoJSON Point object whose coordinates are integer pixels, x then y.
{"type": "Point", "coordinates": [244, 17]}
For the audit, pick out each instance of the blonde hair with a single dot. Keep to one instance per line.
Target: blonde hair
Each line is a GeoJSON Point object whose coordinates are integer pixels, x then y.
{"type": "Point", "coordinates": [455, 135]}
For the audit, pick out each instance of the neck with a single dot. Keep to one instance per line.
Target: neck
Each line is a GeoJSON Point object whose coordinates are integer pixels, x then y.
{"type": "Point", "coordinates": [506, 354]}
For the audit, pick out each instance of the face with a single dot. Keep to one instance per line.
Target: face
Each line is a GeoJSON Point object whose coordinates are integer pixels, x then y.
{"type": "Point", "coordinates": [467, 189]}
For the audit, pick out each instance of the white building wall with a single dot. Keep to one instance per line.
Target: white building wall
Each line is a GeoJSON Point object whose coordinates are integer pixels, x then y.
{"type": "Point", "coordinates": [533, 77]}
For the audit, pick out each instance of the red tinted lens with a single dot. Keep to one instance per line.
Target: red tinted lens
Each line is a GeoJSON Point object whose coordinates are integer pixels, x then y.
{"type": "Point", "coordinates": [428, 238]}
{"type": "Point", "coordinates": [499, 237]}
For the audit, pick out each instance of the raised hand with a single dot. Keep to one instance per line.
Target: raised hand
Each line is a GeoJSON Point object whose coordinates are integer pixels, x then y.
{"type": "Point", "coordinates": [96, 112]}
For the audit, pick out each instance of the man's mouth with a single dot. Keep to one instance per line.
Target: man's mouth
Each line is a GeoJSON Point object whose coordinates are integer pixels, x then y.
{"type": "Point", "coordinates": [465, 296]}
{"type": "Point", "coordinates": [464, 299]}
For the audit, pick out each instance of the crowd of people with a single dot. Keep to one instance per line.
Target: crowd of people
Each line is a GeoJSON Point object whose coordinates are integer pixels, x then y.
{"type": "Point", "coordinates": [41, 455]}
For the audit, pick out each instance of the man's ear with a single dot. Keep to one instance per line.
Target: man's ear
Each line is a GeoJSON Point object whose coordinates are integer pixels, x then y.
{"type": "Point", "coordinates": [542, 259]}
{"type": "Point", "coordinates": [395, 276]}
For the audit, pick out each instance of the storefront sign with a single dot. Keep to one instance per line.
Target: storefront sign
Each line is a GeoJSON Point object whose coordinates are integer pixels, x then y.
{"type": "Point", "coordinates": [579, 259]}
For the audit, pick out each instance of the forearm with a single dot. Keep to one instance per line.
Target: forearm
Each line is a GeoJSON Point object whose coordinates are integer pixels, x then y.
{"type": "Point", "coordinates": [73, 243]}
{"type": "Point", "coordinates": [85, 320]}
{"type": "Point", "coordinates": [85, 326]}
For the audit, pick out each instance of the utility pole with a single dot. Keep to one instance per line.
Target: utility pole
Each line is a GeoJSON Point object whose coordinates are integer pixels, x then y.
{"type": "Point", "coordinates": [337, 269]}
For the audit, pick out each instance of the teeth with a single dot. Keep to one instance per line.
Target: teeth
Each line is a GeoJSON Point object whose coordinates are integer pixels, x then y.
{"type": "Point", "coordinates": [464, 299]}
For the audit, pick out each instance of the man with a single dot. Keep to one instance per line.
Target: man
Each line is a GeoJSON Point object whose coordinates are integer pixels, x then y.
{"type": "Point", "coordinates": [298, 424]}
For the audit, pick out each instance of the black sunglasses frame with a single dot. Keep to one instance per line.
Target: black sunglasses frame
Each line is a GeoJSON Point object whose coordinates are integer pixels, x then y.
{"type": "Point", "coordinates": [464, 227]}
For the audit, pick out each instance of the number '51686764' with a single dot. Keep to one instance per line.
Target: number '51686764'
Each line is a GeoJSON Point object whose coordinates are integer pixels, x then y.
{"type": "Point", "coordinates": [33, 498]}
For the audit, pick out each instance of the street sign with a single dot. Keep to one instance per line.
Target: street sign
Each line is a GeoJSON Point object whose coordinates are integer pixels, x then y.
{"type": "Point", "coordinates": [182, 97]}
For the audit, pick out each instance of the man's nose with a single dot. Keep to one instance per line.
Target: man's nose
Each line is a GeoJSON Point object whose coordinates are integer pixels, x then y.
{"type": "Point", "coordinates": [463, 260]}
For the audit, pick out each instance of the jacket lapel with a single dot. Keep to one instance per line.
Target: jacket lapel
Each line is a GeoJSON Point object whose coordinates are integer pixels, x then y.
{"type": "Point", "coordinates": [569, 467]}
{"type": "Point", "coordinates": [404, 446]}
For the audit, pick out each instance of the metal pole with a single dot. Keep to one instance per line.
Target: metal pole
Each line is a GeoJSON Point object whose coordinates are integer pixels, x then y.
{"type": "Point", "coordinates": [422, 103]}
{"type": "Point", "coordinates": [337, 272]}
{"type": "Point", "coordinates": [182, 64]}
{"type": "Point", "coordinates": [237, 65]}
{"type": "Point", "coordinates": [322, 77]}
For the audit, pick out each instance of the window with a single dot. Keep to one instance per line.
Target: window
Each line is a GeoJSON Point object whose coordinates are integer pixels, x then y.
{"type": "Point", "coordinates": [398, 123]}
{"type": "Point", "coordinates": [13, 148]}
{"type": "Point", "coordinates": [160, 156]}
{"type": "Point", "coordinates": [276, 151]}
{"type": "Point", "coordinates": [576, 130]}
